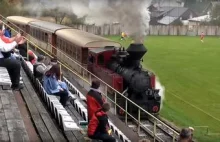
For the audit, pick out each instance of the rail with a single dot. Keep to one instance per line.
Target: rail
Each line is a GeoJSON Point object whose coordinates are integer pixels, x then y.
{"type": "Point", "coordinates": [84, 80]}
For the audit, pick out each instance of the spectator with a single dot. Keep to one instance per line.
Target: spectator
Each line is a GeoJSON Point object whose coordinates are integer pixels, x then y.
{"type": "Point", "coordinates": [53, 86]}
{"type": "Point", "coordinates": [23, 49]}
{"type": "Point", "coordinates": [98, 127]}
{"type": "Point", "coordinates": [32, 57]}
{"type": "Point", "coordinates": [185, 135]}
{"type": "Point", "coordinates": [52, 62]}
{"type": "Point", "coordinates": [30, 66]}
{"type": "Point", "coordinates": [7, 32]}
{"type": "Point", "coordinates": [39, 68]}
{"type": "Point", "coordinates": [13, 66]}
{"type": "Point", "coordinates": [9, 40]}
{"type": "Point", "coordinates": [94, 99]}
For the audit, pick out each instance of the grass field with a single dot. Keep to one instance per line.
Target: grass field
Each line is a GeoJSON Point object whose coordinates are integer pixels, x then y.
{"type": "Point", "coordinates": [190, 72]}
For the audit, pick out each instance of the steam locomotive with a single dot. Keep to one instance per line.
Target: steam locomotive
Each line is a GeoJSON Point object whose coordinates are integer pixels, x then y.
{"type": "Point", "coordinates": [128, 76]}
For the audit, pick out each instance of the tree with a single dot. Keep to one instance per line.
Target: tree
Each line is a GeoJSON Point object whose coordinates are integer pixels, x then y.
{"type": "Point", "coordinates": [5, 8]}
{"type": "Point", "coordinates": [215, 15]}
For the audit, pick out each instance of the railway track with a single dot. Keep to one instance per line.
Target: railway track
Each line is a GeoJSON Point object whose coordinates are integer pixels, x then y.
{"type": "Point", "coordinates": [147, 130]}
{"type": "Point", "coordinates": [163, 134]}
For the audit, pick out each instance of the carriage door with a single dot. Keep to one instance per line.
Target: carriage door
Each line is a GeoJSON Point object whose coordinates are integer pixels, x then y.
{"type": "Point", "coordinates": [53, 42]}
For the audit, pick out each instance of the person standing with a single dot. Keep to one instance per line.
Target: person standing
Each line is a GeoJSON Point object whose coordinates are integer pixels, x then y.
{"type": "Point", "coordinates": [123, 35]}
{"type": "Point", "coordinates": [13, 66]}
{"type": "Point", "coordinates": [94, 99]}
{"type": "Point", "coordinates": [202, 37]}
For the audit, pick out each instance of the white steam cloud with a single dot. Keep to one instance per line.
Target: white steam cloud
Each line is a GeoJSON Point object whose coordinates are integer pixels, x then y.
{"type": "Point", "coordinates": [161, 92]}
{"type": "Point", "coordinates": [132, 14]}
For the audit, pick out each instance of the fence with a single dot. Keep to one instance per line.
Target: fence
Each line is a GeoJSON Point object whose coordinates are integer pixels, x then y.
{"type": "Point", "coordinates": [116, 29]}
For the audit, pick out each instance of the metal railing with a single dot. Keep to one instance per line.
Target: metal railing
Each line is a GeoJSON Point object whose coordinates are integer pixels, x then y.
{"type": "Point", "coordinates": [84, 78]}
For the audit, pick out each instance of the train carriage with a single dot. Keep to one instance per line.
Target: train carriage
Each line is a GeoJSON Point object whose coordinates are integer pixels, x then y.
{"type": "Point", "coordinates": [76, 44]}
{"type": "Point", "coordinates": [21, 22]}
{"type": "Point", "coordinates": [44, 34]}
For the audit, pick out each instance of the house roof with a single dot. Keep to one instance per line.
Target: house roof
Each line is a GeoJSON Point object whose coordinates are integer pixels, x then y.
{"type": "Point", "coordinates": [177, 12]}
{"type": "Point", "coordinates": [169, 11]}
{"type": "Point", "coordinates": [166, 3]}
{"type": "Point", "coordinates": [167, 20]}
{"type": "Point", "coordinates": [161, 11]}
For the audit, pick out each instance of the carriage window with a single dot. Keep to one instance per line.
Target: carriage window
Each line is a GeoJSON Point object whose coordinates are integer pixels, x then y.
{"type": "Point", "coordinates": [46, 37]}
{"type": "Point", "coordinates": [101, 60]}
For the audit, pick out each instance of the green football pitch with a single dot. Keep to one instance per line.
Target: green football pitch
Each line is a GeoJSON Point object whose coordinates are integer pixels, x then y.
{"type": "Point", "coordinates": [190, 72]}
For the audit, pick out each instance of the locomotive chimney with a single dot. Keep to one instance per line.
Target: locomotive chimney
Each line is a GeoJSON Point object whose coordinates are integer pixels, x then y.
{"type": "Point", "coordinates": [136, 51]}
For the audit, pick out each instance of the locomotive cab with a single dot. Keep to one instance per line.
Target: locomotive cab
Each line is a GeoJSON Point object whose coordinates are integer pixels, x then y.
{"type": "Point", "coordinates": [98, 60]}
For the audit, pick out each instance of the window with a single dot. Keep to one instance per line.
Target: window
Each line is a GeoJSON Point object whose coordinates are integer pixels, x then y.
{"type": "Point", "coordinates": [46, 37]}
{"type": "Point", "coordinates": [101, 59]}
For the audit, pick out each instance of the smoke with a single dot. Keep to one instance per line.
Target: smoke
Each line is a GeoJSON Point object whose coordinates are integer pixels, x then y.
{"type": "Point", "coordinates": [132, 14]}
{"type": "Point", "coordinates": [161, 92]}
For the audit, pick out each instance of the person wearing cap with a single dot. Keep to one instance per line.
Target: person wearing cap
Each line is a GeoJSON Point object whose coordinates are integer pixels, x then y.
{"type": "Point", "coordinates": [185, 135]}
{"type": "Point", "coordinates": [99, 127]}
{"type": "Point", "coordinates": [94, 99]}
{"type": "Point", "coordinates": [40, 68]}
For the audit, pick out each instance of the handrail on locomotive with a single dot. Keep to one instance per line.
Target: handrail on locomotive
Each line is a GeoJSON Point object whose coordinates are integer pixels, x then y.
{"type": "Point", "coordinates": [106, 86]}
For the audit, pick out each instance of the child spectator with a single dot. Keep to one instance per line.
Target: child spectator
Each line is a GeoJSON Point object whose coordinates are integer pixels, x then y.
{"type": "Point", "coordinates": [98, 127]}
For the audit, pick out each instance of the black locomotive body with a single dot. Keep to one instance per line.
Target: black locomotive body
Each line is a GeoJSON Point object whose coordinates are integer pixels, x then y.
{"type": "Point", "coordinates": [138, 84]}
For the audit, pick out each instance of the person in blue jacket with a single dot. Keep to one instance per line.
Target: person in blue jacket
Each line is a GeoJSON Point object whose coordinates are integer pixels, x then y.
{"type": "Point", "coordinates": [54, 86]}
{"type": "Point", "coordinates": [7, 32]}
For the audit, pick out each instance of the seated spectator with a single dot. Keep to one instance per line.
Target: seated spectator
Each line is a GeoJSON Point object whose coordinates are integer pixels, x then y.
{"type": "Point", "coordinates": [39, 68]}
{"type": "Point", "coordinates": [13, 66]}
{"type": "Point", "coordinates": [30, 66]}
{"type": "Point", "coordinates": [32, 57]}
{"type": "Point", "coordinates": [94, 99]}
{"type": "Point", "coordinates": [185, 135]}
{"type": "Point", "coordinates": [52, 62]}
{"type": "Point", "coordinates": [98, 127]}
{"type": "Point", "coordinates": [53, 86]}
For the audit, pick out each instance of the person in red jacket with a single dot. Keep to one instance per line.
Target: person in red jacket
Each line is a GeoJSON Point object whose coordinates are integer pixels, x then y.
{"type": "Point", "coordinates": [98, 127]}
{"type": "Point", "coordinates": [202, 37]}
{"type": "Point", "coordinates": [94, 99]}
